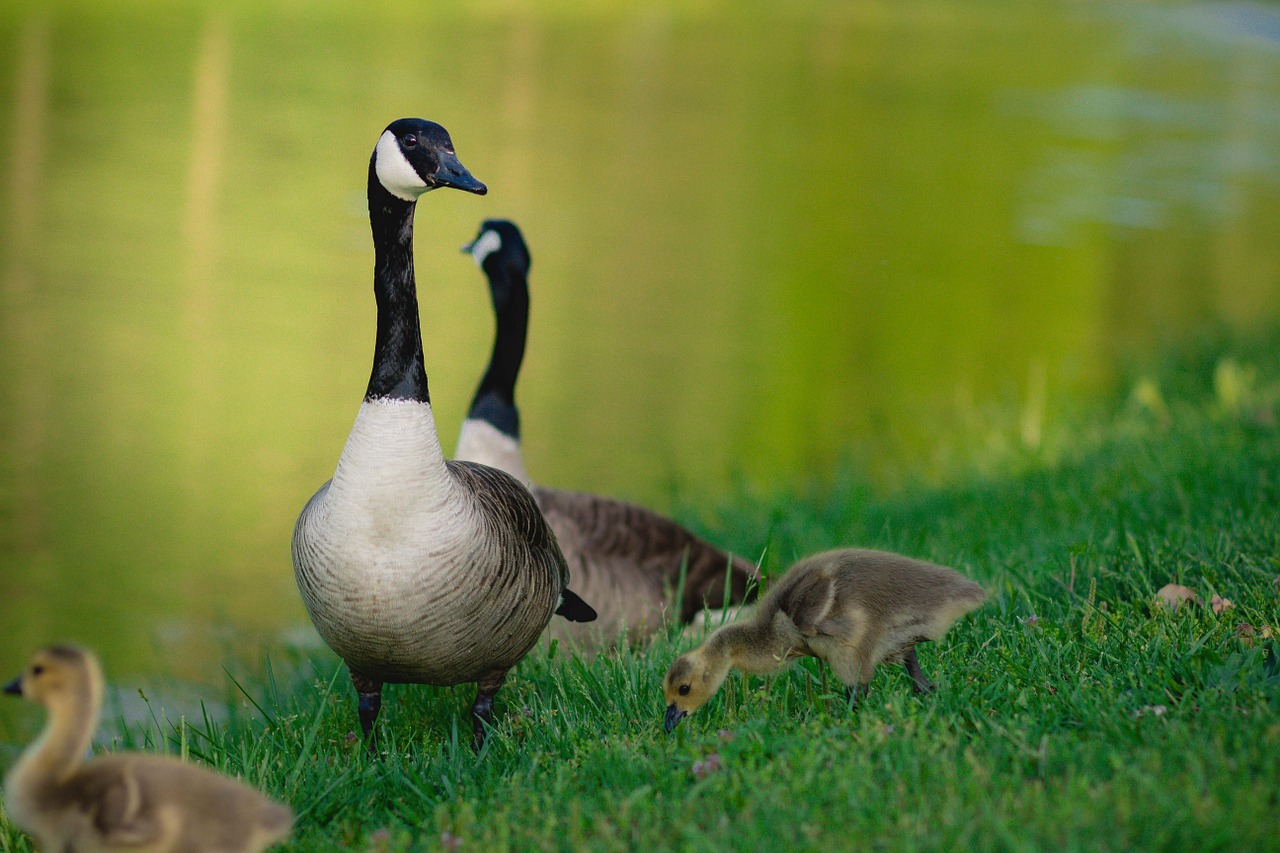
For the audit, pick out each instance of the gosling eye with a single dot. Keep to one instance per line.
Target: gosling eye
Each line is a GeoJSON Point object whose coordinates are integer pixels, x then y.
{"type": "Point", "coordinates": [409, 140]}
{"type": "Point", "coordinates": [684, 690]}
{"type": "Point", "coordinates": [37, 669]}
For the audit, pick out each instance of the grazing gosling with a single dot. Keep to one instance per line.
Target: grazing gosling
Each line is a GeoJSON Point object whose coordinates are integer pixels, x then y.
{"type": "Point", "coordinates": [124, 801]}
{"type": "Point", "coordinates": [853, 608]}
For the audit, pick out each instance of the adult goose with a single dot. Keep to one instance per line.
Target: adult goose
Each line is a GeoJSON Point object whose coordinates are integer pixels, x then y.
{"type": "Point", "coordinates": [415, 569]}
{"type": "Point", "coordinates": [626, 560]}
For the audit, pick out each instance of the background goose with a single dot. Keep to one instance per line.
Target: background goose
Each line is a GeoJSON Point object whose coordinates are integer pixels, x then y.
{"type": "Point", "coordinates": [413, 568]}
{"type": "Point", "coordinates": [853, 608]}
{"type": "Point", "coordinates": [124, 801]}
{"type": "Point", "coordinates": [626, 560]}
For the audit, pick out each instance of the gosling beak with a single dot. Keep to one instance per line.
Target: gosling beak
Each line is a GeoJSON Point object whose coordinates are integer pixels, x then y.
{"type": "Point", "coordinates": [453, 174]}
{"type": "Point", "coordinates": [14, 688]}
{"type": "Point", "coordinates": [674, 715]}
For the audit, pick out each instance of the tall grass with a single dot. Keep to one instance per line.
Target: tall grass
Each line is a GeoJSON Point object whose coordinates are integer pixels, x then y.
{"type": "Point", "coordinates": [1073, 712]}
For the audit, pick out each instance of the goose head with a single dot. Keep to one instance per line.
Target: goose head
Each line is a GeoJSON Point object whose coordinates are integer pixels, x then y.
{"type": "Point", "coordinates": [414, 156]}
{"type": "Point", "coordinates": [692, 680]}
{"type": "Point", "coordinates": [499, 245]}
{"type": "Point", "coordinates": [500, 251]}
{"type": "Point", "coordinates": [54, 673]}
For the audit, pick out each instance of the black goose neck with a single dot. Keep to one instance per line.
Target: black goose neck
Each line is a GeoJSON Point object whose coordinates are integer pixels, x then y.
{"type": "Point", "coordinates": [398, 371]}
{"type": "Point", "coordinates": [495, 399]}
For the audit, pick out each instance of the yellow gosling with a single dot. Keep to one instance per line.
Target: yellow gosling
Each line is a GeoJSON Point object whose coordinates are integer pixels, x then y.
{"type": "Point", "coordinates": [853, 608]}
{"type": "Point", "coordinates": [125, 801]}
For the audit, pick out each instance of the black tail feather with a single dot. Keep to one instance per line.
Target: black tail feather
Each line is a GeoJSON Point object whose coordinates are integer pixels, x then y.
{"type": "Point", "coordinates": [574, 608]}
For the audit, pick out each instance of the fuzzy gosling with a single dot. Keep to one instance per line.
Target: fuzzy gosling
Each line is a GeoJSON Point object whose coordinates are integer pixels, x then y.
{"type": "Point", "coordinates": [853, 608]}
{"type": "Point", "coordinates": [124, 801]}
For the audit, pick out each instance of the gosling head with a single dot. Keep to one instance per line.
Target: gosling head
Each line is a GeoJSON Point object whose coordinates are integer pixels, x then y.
{"type": "Point", "coordinates": [55, 672]}
{"type": "Point", "coordinates": [692, 680]}
{"type": "Point", "coordinates": [415, 156]}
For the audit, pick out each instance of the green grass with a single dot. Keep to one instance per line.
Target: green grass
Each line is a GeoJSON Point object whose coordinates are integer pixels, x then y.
{"type": "Point", "coordinates": [1072, 712]}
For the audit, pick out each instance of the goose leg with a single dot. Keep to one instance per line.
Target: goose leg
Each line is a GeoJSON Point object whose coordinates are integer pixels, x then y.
{"type": "Point", "coordinates": [368, 706]}
{"type": "Point", "coordinates": [482, 711]}
{"type": "Point", "coordinates": [919, 682]}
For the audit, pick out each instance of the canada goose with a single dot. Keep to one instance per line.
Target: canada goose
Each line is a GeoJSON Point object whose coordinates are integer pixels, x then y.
{"type": "Point", "coordinates": [853, 608]}
{"type": "Point", "coordinates": [415, 569]}
{"type": "Point", "coordinates": [625, 559]}
{"type": "Point", "coordinates": [124, 801]}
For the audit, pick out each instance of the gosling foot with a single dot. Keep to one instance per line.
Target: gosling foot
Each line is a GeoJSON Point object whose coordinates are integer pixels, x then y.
{"type": "Point", "coordinates": [919, 682]}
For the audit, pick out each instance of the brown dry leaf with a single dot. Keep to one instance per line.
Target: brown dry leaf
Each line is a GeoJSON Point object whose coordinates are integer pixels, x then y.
{"type": "Point", "coordinates": [1245, 632]}
{"type": "Point", "coordinates": [1173, 595]}
{"type": "Point", "coordinates": [1220, 604]}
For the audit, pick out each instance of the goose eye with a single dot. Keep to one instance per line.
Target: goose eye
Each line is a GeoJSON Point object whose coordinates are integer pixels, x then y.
{"type": "Point", "coordinates": [410, 141]}
{"type": "Point", "coordinates": [684, 690]}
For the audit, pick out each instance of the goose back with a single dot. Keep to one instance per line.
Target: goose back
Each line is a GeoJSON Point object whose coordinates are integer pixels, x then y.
{"type": "Point", "coordinates": [628, 561]}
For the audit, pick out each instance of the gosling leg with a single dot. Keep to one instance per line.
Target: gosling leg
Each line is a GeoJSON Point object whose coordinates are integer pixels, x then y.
{"type": "Point", "coordinates": [856, 693]}
{"type": "Point", "coordinates": [854, 669]}
{"type": "Point", "coordinates": [370, 703]}
{"type": "Point", "coordinates": [482, 711]}
{"type": "Point", "coordinates": [919, 682]}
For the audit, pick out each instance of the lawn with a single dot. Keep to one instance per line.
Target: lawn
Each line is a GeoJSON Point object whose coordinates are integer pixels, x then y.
{"type": "Point", "coordinates": [1074, 711]}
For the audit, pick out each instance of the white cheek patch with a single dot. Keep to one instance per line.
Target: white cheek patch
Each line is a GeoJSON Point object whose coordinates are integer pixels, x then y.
{"type": "Point", "coordinates": [482, 248]}
{"type": "Point", "coordinates": [394, 171]}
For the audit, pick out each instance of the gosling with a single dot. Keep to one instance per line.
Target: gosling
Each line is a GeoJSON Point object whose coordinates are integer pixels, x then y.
{"type": "Point", "coordinates": [124, 801]}
{"type": "Point", "coordinates": [853, 608]}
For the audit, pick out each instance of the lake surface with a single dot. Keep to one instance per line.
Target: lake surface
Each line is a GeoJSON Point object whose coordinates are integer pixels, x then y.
{"type": "Point", "coordinates": [762, 237]}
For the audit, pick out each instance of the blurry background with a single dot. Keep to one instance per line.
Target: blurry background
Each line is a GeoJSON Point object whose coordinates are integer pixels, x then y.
{"type": "Point", "coordinates": [768, 239]}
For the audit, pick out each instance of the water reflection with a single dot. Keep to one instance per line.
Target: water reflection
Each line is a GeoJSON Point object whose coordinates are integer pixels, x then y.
{"type": "Point", "coordinates": [758, 241]}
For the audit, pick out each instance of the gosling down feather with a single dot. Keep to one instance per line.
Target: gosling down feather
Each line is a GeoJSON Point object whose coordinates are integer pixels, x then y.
{"type": "Point", "coordinates": [123, 801]}
{"type": "Point", "coordinates": [626, 560]}
{"type": "Point", "coordinates": [853, 608]}
{"type": "Point", "coordinates": [415, 569]}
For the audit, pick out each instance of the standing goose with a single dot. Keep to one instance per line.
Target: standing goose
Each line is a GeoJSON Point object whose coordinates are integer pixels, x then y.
{"type": "Point", "coordinates": [127, 800]}
{"type": "Point", "coordinates": [415, 569]}
{"type": "Point", "coordinates": [626, 559]}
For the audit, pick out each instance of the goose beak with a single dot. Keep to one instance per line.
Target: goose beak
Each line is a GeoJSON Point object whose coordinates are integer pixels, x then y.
{"type": "Point", "coordinates": [453, 174]}
{"type": "Point", "coordinates": [14, 688]}
{"type": "Point", "coordinates": [674, 716]}
{"type": "Point", "coordinates": [466, 249]}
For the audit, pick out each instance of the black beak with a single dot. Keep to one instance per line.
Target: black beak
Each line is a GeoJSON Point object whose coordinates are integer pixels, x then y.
{"type": "Point", "coordinates": [466, 249]}
{"type": "Point", "coordinates": [14, 688]}
{"type": "Point", "coordinates": [674, 715]}
{"type": "Point", "coordinates": [453, 174]}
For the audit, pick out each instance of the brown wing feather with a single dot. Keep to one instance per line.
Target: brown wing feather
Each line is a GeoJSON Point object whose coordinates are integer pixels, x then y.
{"type": "Point", "coordinates": [116, 804]}
{"type": "Point", "coordinates": [807, 601]}
{"type": "Point", "coordinates": [138, 800]}
{"type": "Point", "coordinates": [643, 550]}
{"type": "Point", "coordinates": [516, 522]}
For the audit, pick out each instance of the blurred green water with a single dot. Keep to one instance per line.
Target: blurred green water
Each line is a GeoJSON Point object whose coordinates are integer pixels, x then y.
{"type": "Point", "coordinates": [761, 237]}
